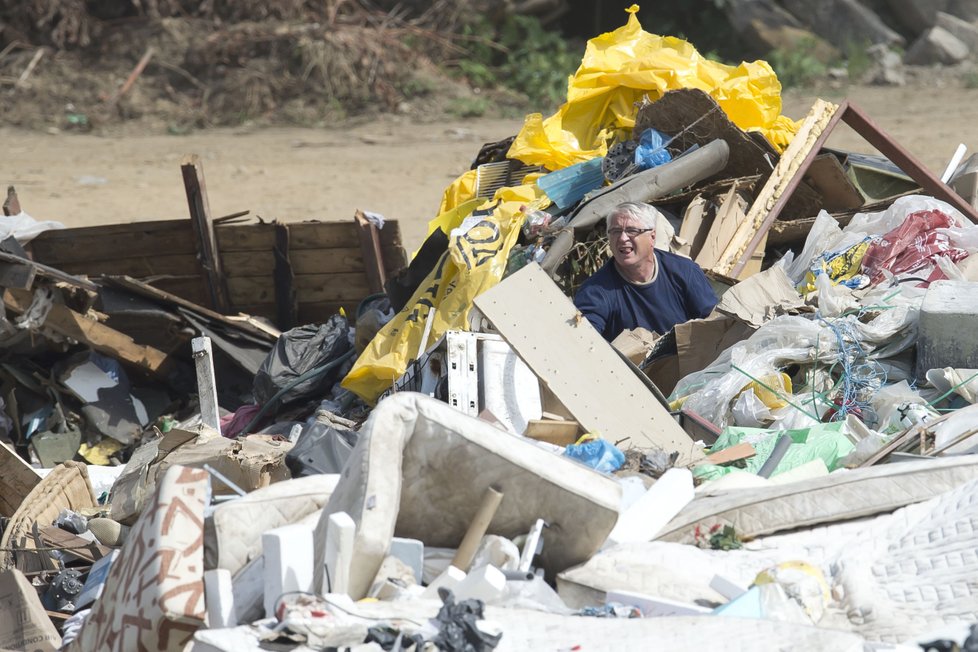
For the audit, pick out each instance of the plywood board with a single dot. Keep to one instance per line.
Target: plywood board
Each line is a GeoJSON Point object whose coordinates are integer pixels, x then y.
{"type": "Point", "coordinates": [304, 235]}
{"type": "Point", "coordinates": [578, 365]}
{"type": "Point", "coordinates": [304, 261]}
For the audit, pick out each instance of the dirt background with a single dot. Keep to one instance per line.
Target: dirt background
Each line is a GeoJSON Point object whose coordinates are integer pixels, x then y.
{"type": "Point", "coordinates": [397, 166]}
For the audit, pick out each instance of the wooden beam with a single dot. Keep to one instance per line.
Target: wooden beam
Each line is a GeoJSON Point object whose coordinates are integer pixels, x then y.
{"type": "Point", "coordinates": [903, 159]}
{"type": "Point", "coordinates": [100, 337]}
{"type": "Point", "coordinates": [286, 304]}
{"type": "Point", "coordinates": [373, 256]}
{"type": "Point", "coordinates": [779, 187]}
{"type": "Point", "coordinates": [200, 216]}
{"type": "Point", "coordinates": [17, 478]}
{"type": "Point", "coordinates": [11, 205]}
{"type": "Point", "coordinates": [49, 272]}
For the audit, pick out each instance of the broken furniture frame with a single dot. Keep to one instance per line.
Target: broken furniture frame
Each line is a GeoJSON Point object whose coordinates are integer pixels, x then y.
{"type": "Point", "coordinates": [875, 136]}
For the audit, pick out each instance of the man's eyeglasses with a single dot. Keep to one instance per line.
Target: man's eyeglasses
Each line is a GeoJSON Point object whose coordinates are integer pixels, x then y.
{"type": "Point", "coordinates": [631, 232]}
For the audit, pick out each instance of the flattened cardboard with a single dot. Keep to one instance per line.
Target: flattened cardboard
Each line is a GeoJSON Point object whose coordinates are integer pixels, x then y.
{"type": "Point", "coordinates": [761, 298]}
{"type": "Point", "coordinates": [700, 341]}
{"type": "Point", "coordinates": [251, 462]}
{"type": "Point", "coordinates": [562, 348]}
{"type": "Point", "coordinates": [24, 625]}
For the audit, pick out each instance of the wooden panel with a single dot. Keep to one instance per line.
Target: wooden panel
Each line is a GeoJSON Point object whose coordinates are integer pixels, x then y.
{"type": "Point", "coordinates": [316, 313]}
{"type": "Point", "coordinates": [110, 230]}
{"type": "Point", "coordinates": [583, 370]}
{"type": "Point", "coordinates": [176, 264]}
{"type": "Point", "coordinates": [303, 235]}
{"type": "Point", "coordinates": [310, 288]}
{"type": "Point", "coordinates": [86, 248]}
{"type": "Point", "coordinates": [244, 237]}
{"type": "Point", "coordinates": [188, 288]}
{"type": "Point", "coordinates": [305, 261]}
{"type": "Point", "coordinates": [323, 235]}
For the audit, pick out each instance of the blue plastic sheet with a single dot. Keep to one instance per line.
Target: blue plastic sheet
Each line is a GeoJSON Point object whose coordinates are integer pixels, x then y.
{"type": "Point", "coordinates": [651, 150]}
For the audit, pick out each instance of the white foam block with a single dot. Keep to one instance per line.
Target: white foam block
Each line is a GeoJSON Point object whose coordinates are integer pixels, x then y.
{"type": "Point", "coordinates": [484, 583]}
{"type": "Point", "coordinates": [450, 579]}
{"type": "Point", "coordinates": [289, 555]}
{"type": "Point", "coordinates": [219, 599]}
{"type": "Point", "coordinates": [340, 534]}
{"type": "Point", "coordinates": [649, 514]}
{"type": "Point", "coordinates": [411, 552]}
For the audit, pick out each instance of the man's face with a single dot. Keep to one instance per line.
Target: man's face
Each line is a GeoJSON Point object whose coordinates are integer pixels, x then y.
{"type": "Point", "coordinates": [629, 250]}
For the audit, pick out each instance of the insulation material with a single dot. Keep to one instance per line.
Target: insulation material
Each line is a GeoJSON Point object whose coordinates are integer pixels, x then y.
{"type": "Point", "coordinates": [420, 467]}
{"type": "Point", "coordinates": [154, 595]}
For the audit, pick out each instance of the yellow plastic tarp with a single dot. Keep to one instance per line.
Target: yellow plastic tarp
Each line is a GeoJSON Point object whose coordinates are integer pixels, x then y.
{"type": "Point", "coordinates": [475, 261]}
{"type": "Point", "coordinates": [621, 67]}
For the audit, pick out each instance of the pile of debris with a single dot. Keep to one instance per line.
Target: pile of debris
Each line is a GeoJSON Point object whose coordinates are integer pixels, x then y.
{"type": "Point", "coordinates": [490, 473]}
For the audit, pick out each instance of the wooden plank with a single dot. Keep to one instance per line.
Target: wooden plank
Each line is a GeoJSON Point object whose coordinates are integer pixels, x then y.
{"type": "Point", "coordinates": [328, 235]}
{"type": "Point", "coordinates": [373, 257]}
{"type": "Point", "coordinates": [160, 295]}
{"type": "Point", "coordinates": [17, 478]}
{"type": "Point", "coordinates": [310, 288]}
{"type": "Point", "coordinates": [109, 230]}
{"type": "Point", "coordinates": [48, 272]}
{"type": "Point", "coordinates": [100, 337]}
{"type": "Point", "coordinates": [903, 159]}
{"type": "Point", "coordinates": [304, 261]}
{"type": "Point", "coordinates": [11, 205]}
{"type": "Point", "coordinates": [17, 275]}
{"type": "Point", "coordinates": [732, 454]}
{"type": "Point", "coordinates": [558, 433]}
{"type": "Point", "coordinates": [200, 218]}
{"type": "Point", "coordinates": [90, 248]}
{"type": "Point", "coordinates": [139, 267]}
{"type": "Point", "coordinates": [777, 190]}
{"type": "Point", "coordinates": [284, 281]}
{"type": "Point", "coordinates": [585, 373]}
{"type": "Point", "coordinates": [54, 537]}
{"type": "Point", "coordinates": [244, 237]}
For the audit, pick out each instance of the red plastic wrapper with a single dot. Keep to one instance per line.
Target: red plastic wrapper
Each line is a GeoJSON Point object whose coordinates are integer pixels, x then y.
{"type": "Point", "coordinates": [912, 245]}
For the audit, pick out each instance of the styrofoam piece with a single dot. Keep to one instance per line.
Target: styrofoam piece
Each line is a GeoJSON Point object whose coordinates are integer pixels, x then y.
{"type": "Point", "coordinates": [653, 607]}
{"type": "Point", "coordinates": [650, 513]}
{"type": "Point", "coordinates": [484, 583]}
{"type": "Point", "coordinates": [95, 581]}
{"type": "Point", "coordinates": [946, 333]}
{"type": "Point", "coordinates": [411, 552]}
{"type": "Point", "coordinates": [450, 579]}
{"type": "Point", "coordinates": [219, 598]}
{"type": "Point", "coordinates": [726, 587]}
{"type": "Point", "coordinates": [206, 383]}
{"type": "Point", "coordinates": [340, 534]}
{"type": "Point", "coordinates": [289, 554]}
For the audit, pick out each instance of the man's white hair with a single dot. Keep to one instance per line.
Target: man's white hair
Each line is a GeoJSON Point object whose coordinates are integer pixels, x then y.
{"type": "Point", "coordinates": [645, 214]}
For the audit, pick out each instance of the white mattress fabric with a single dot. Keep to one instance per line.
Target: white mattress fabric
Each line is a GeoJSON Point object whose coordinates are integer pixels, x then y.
{"type": "Point", "coordinates": [893, 577]}
{"type": "Point", "coordinates": [420, 469]}
{"type": "Point", "coordinates": [833, 498]}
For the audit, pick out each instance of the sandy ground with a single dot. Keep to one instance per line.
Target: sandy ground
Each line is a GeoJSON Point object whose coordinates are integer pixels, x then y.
{"type": "Point", "coordinates": [391, 166]}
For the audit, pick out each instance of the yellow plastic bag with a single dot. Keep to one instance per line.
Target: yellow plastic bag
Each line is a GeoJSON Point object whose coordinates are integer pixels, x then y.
{"type": "Point", "coordinates": [771, 389]}
{"type": "Point", "coordinates": [475, 261]}
{"type": "Point", "coordinates": [621, 67]}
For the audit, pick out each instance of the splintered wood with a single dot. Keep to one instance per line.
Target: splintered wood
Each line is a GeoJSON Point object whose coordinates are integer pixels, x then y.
{"type": "Point", "coordinates": [757, 222]}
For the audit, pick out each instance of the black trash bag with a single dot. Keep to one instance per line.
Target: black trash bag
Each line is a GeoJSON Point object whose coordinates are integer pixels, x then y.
{"type": "Point", "coordinates": [457, 629]}
{"type": "Point", "coordinates": [298, 352]}
{"type": "Point", "coordinates": [388, 637]}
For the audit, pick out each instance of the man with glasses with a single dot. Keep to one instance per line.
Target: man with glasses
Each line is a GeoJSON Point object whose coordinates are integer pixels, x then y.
{"type": "Point", "coordinates": [642, 286]}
